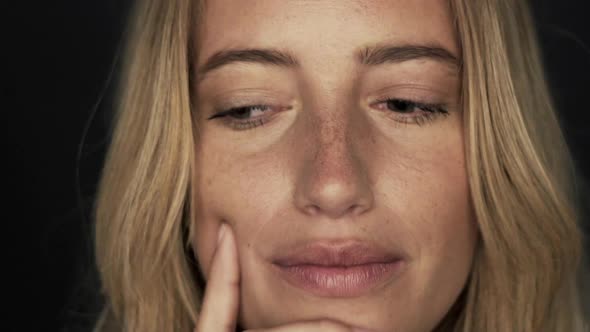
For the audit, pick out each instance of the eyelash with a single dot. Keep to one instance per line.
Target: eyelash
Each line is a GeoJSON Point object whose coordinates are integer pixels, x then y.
{"type": "Point", "coordinates": [241, 124]}
{"type": "Point", "coordinates": [430, 113]}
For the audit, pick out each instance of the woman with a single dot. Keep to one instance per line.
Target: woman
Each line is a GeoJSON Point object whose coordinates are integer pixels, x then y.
{"type": "Point", "coordinates": [380, 166]}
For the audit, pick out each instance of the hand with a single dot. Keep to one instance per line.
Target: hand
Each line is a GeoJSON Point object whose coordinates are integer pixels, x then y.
{"type": "Point", "coordinates": [220, 305]}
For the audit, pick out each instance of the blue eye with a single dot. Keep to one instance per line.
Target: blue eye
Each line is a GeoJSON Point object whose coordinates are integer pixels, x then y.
{"type": "Point", "coordinates": [243, 112]}
{"type": "Point", "coordinates": [403, 110]}
{"type": "Point", "coordinates": [243, 117]}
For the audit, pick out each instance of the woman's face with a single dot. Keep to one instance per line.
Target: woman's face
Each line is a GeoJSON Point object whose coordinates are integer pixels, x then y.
{"type": "Point", "coordinates": [331, 142]}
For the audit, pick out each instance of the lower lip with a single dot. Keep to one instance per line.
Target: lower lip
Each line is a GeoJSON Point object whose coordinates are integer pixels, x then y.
{"type": "Point", "coordinates": [332, 281]}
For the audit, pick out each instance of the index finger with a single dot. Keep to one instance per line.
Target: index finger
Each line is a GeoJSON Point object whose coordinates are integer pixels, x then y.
{"type": "Point", "coordinates": [219, 309]}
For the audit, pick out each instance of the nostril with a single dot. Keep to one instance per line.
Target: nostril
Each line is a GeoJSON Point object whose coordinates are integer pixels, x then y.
{"type": "Point", "coordinates": [356, 209]}
{"type": "Point", "coordinates": [335, 198]}
{"type": "Point", "coordinates": [312, 210]}
{"type": "Point", "coordinates": [333, 212]}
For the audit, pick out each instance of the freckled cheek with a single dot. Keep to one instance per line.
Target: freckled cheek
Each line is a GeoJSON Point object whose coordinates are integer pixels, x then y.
{"type": "Point", "coordinates": [210, 186]}
{"type": "Point", "coordinates": [241, 192]}
{"type": "Point", "coordinates": [449, 224]}
{"type": "Point", "coordinates": [434, 193]}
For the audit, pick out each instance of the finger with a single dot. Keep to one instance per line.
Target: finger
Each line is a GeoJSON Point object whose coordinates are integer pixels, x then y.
{"type": "Point", "coordinates": [220, 304]}
{"type": "Point", "coordinates": [324, 325]}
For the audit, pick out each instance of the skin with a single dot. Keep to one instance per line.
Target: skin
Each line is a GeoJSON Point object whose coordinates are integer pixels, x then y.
{"type": "Point", "coordinates": [329, 162]}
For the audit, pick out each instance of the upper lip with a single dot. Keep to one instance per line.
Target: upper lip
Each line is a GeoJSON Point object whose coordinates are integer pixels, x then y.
{"type": "Point", "coordinates": [340, 253]}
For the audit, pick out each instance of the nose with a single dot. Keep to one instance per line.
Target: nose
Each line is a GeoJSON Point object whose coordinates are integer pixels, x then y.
{"type": "Point", "coordinates": [333, 180]}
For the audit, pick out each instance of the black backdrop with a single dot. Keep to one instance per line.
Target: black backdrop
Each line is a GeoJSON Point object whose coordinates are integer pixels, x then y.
{"type": "Point", "coordinates": [57, 84]}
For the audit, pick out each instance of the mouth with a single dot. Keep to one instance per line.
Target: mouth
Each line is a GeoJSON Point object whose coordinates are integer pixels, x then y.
{"type": "Point", "coordinates": [335, 270]}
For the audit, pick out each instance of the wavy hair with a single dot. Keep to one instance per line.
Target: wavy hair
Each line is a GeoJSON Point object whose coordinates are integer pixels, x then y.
{"type": "Point", "coordinates": [521, 176]}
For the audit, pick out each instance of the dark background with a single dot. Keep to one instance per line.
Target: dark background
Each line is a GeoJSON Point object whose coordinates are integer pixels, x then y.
{"type": "Point", "coordinates": [57, 84]}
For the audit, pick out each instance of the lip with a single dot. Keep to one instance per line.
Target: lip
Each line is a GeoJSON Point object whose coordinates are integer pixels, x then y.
{"type": "Point", "coordinates": [339, 269]}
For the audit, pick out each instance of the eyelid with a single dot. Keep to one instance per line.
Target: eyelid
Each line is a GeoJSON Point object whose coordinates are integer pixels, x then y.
{"type": "Point", "coordinates": [247, 96]}
{"type": "Point", "coordinates": [407, 84]}
{"type": "Point", "coordinates": [427, 112]}
{"type": "Point", "coordinates": [225, 116]}
{"type": "Point", "coordinates": [223, 112]}
{"type": "Point", "coordinates": [414, 97]}
{"type": "Point", "coordinates": [430, 107]}
{"type": "Point", "coordinates": [412, 91]}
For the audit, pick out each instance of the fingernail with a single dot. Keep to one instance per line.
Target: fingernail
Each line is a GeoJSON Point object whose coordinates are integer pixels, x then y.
{"type": "Point", "coordinates": [220, 233]}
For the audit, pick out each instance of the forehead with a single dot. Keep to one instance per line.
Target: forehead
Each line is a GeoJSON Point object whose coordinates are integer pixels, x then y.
{"type": "Point", "coordinates": [306, 26]}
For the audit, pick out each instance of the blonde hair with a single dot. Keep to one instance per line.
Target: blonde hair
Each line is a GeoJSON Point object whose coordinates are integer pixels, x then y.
{"type": "Point", "coordinates": [520, 173]}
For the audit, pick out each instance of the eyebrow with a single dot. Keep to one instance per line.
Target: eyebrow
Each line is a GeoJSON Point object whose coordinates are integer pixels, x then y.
{"type": "Point", "coordinates": [262, 56]}
{"type": "Point", "coordinates": [369, 56]}
{"type": "Point", "coordinates": [380, 54]}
